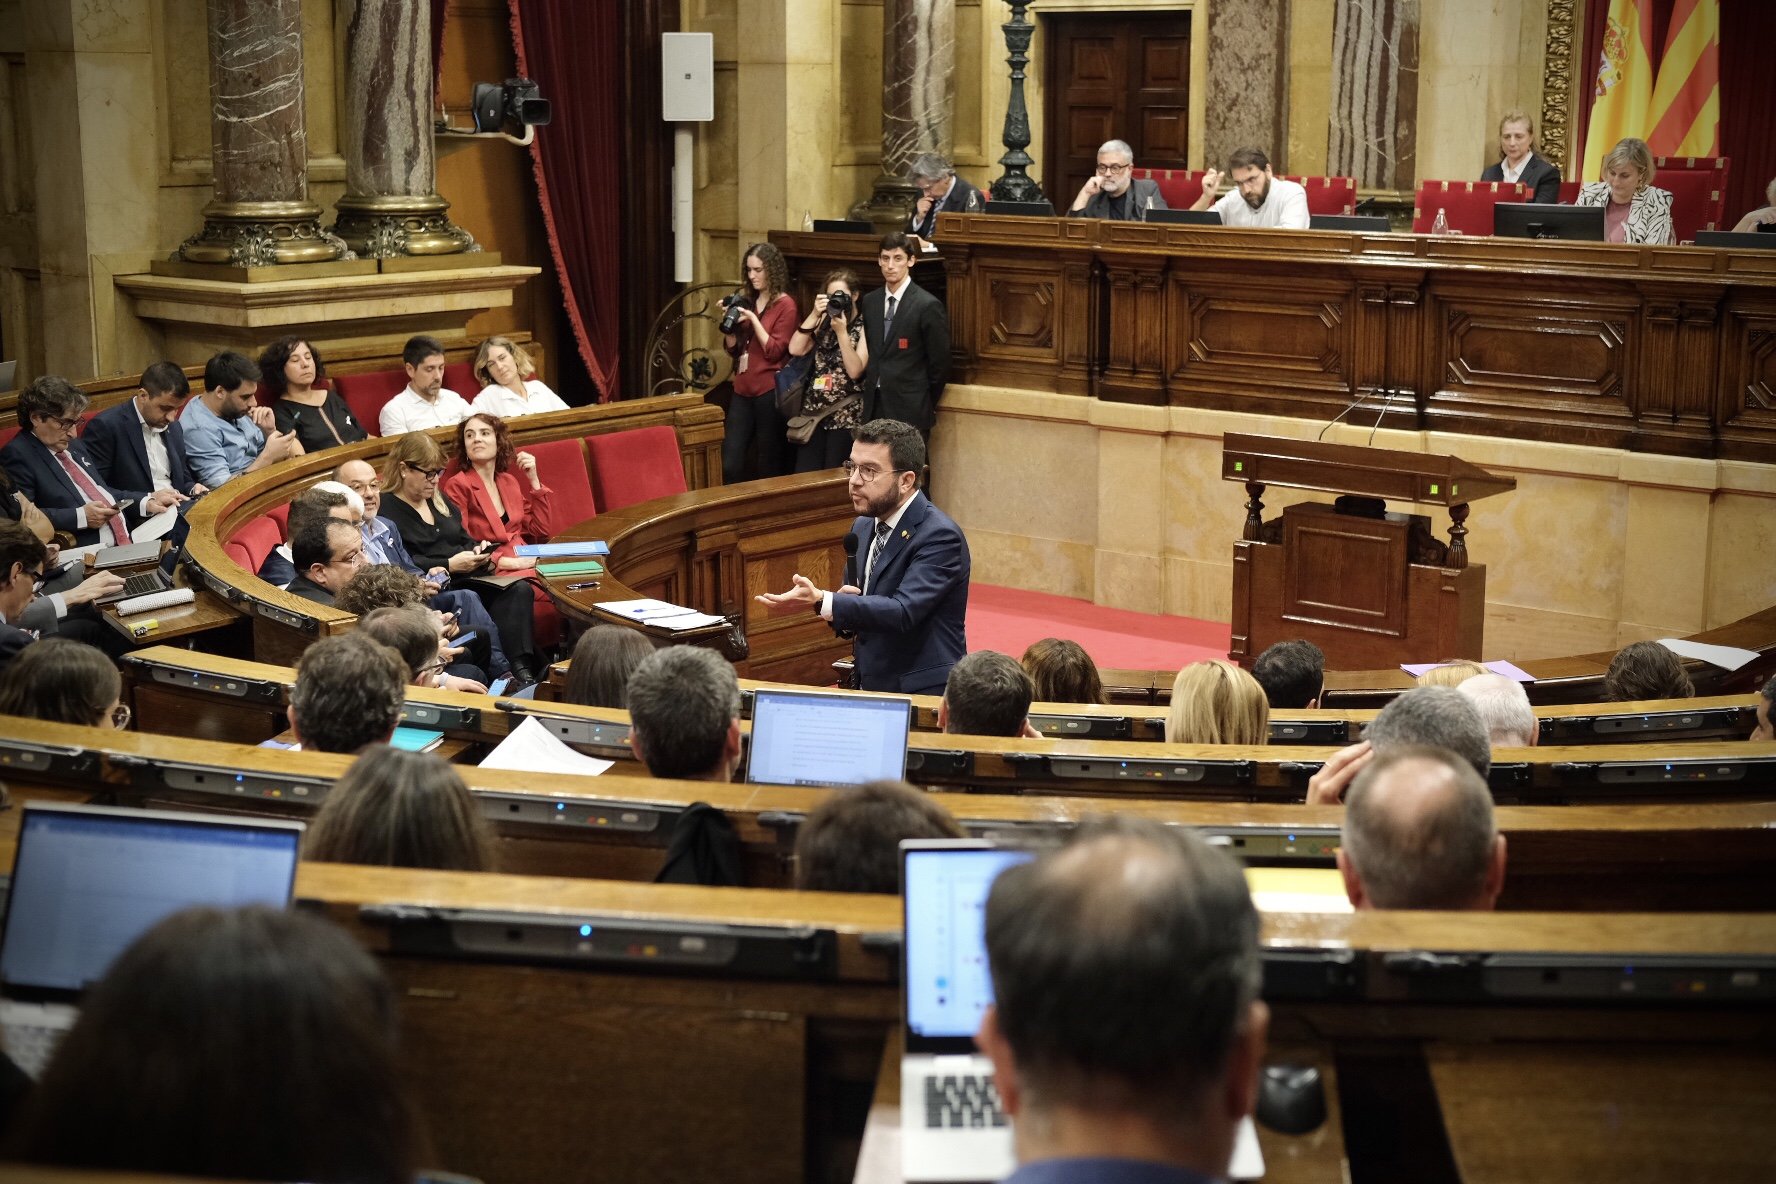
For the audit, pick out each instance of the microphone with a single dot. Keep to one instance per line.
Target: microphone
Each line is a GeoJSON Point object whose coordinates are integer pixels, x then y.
{"type": "Point", "coordinates": [851, 558]}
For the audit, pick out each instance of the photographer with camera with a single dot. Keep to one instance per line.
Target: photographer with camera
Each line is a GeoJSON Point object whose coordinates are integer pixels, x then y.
{"type": "Point", "coordinates": [834, 332]}
{"type": "Point", "coordinates": [756, 329]}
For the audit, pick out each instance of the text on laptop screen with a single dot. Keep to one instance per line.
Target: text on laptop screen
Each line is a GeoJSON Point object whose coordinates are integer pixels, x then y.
{"type": "Point", "coordinates": [800, 738]}
{"type": "Point", "coordinates": [948, 985]}
{"type": "Point", "coordinates": [87, 885]}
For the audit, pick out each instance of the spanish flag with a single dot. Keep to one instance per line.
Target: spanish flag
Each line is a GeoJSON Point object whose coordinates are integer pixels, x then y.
{"type": "Point", "coordinates": [1685, 111]}
{"type": "Point", "coordinates": [1624, 92]}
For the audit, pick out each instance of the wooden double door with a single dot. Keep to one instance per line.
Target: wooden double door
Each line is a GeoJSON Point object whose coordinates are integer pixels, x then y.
{"type": "Point", "coordinates": [1114, 76]}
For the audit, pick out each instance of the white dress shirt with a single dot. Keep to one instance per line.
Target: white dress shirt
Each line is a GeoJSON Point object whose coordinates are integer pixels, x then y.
{"type": "Point", "coordinates": [410, 412]}
{"type": "Point", "coordinates": [505, 403]}
{"type": "Point", "coordinates": [160, 467]}
{"type": "Point", "coordinates": [1285, 207]}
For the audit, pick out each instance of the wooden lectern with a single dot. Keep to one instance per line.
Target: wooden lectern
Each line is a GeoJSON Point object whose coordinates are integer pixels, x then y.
{"type": "Point", "coordinates": [1368, 587]}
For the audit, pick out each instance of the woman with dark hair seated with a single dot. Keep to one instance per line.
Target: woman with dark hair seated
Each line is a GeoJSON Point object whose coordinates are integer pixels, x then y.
{"type": "Point", "coordinates": [401, 809]}
{"type": "Point", "coordinates": [482, 479]}
{"type": "Point", "coordinates": [246, 1044]}
{"type": "Point", "coordinates": [603, 659]}
{"type": "Point", "coordinates": [1063, 672]}
{"type": "Point", "coordinates": [64, 682]}
{"type": "Point", "coordinates": [1646, 670]}
{"type": "Point", "coordinates": [288, 371]}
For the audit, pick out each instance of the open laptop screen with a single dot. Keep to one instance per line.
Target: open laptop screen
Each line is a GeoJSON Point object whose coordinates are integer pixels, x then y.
{"type": "Point", "coordinates": [816, 738]}
{"type": "Point", "coordinates": [88, 882]}
{"type": "Point", "coordinates": [944, 893]}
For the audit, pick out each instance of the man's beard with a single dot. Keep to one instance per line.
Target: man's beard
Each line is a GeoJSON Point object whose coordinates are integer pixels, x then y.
{"type": "Point", "coordinates": [1257, 202]}
{"type": "Point", "coordinates": [233, 414]}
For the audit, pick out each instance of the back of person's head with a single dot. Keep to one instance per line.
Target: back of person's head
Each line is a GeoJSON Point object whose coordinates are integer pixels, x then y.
{"type": "Point", "coordinates": [1646, 670]}
{"type": "Point", "coordinates": [165, 378]}
{"type": "Point", "coordinates": [227, 371]}
{"type": "Point", "coordinates": [684, 713]}
{"type": "Point", "coordinates": [1451, 673]}
{"type": "Point", "coordinates": [1432, 717]}
{"type": "Point", "coordinates": [380, 585]}
{"type": "Point", "coordinates": [245, 1044]}
{"type": "Point", "coordinates": [1062, 672]}
{"type": "Point", "coordinates": [1292, 673]}
{"type": "Point", "coordinates": [603, 659]}
{"type": "Point", "coordinates": [316, 504]}
{"type": "Point", "coordinates": [987, 694]}
{"type": "Point", "coordinates": [1419, 834]}
{"type": "Point", "coordinates": [410, 630]}
{"type": "Point", "coordinates": [1504, 708]}
{"type": "Point", "coordinates": [1125, 972]}
{"type": "Point", "coordinates": [1215, 702]}
{"type": "Point", "coordinates": [401, 809]}
{"type": "Point", "coordinates": [348, 693]}
{"type": "Point", "coordinates": [62, 681]}
{"type": "Point", "coordinates": [1766, 713]}
{"type": "Point", "coordinates": [851, 841]}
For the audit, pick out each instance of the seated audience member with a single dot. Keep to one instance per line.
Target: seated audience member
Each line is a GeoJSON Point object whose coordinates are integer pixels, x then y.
{"type": "Point", "coordinates": [53, 469]}
{"type": "Point", "coordinates": [508, 385]}
{"type": "Point", "coordinates": [137, 447]}
{"type": "Point", "coordinates": [1633, 210]}
{"type": "Point", "coordinates": [1113, 191]}
{"type": "Point", "coordinates": [415, 632]}
{"type": "Point", "coordinates": [1504, 708]}
{"type": "Point", "coordinates": [64, 682]}
{"type": "Point", "coordinates": [288, 370]}
{"type": "Point", "coordinates": [401, 809]}
{"type": "Point", "coordinates": [327, 553]}
{"type": "Point", "coordinates": [1259, 197]}
{"type": "Point", "coordinates": [1215, 702]}
{"type": "Point", "coordinates": [987, 694]}
{"type": "Point", "coordinates": [684, 713]}
{"type": "Point", "coordinates": [424, 403]}
{"type": "Point", "coordinates": [246, 1044]}
{"type": "Point", "coordinates": [64, 604]}
{"type": "Point", "coordinates": [22, 559]}
{"type": "Point", "coordinates": [226, 432]}
{"type": "Point", "coordinates": [497, 507]}
{"type": "Point", "coordinates": [1646, 670]}
{"type": "Point", "coordinates": [380, 585]}
{"type": "Point", "coordinates": [1292, 673]}
{"type": "Point", "coordinates": [1062, 672]}
{"type": "Point", "coordinates": [940, 191]}
{"type": "Point", "coordinates": [348, 694]}
{"type": "Point", "coordinates": [1451, 673]}
{"type": "Point", "coordinates": [1126, 1034]}
{"type": "Point", "coordinates": [603, 659]}
{"type": "Point", "coordinates": [431, 530]}
{"type": "Point", "coordinates": [317, 503]}
{"type": "Point", "coordinates": [1764, 215]}
{"type": "Point", "coordinates": [1419, 834]}
{"type": "Point", "coordinates": [1424, 717]}
{"type": "Point", "coordinates": [851, 841]}
{"type": "Point", "coordinates": [1766, 727]}
{"type": "Point", "coordinates": [1519, 163]}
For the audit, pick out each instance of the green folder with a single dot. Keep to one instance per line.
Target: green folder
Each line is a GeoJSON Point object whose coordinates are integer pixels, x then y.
{"type": "Point", "coordinates": [578, 567]}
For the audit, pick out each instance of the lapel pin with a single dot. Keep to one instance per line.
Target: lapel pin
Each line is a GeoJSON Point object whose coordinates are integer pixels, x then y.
{"type": "Point", "coordinates": [906, 534]}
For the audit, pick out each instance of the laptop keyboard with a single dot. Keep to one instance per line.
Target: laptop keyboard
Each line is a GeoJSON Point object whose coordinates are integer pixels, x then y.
{"type": "Point", "coordinates": [144, 583]}
{"type": "Point", "coordinates": [962, 1101]}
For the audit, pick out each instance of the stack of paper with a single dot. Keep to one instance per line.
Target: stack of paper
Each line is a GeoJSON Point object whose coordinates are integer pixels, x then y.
{"type": "Point", "coordinates": [531, 748]}
{"type": "Point", "coordinates": [660, 614]}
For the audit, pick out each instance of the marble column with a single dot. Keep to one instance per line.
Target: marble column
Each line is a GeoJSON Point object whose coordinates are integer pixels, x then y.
{"type": "Point", "coordinates": [1246, 58]}
{"type": "Point", "coordinates": [918, 96]}
{"type": "Point", "coordinates": [389, 207]}
{"type": "Point", "coordinates": [1374, 120]}
{"type": "Point", "coordinates": [260, 213]}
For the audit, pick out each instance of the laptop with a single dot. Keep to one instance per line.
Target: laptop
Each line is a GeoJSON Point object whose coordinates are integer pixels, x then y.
{"type": "Point", "coordinates": [1360, 223]}
{"type": "Point", "coordinates": [822, 738]}
{"type": "Point", "coordinates": [1183, 217]}
{"type": "Point", "coordinates": [1022, 209]}
{"type": "Point", "coordinates": [88, 880]}
{"type": "Point", "coordinates": [158, 578]}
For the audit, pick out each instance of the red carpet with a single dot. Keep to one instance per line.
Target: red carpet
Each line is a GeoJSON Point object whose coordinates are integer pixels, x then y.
{"type": "Point", "coordinates": [1008, 620]}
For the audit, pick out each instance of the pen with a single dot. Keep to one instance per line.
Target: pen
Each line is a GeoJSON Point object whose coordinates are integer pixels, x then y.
{"type": "Point", "coordinates": [587, 584]}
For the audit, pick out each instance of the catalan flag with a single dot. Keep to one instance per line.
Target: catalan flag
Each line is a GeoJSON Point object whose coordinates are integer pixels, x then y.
{"type": "Point", "coordinates": [1684, 116]}
{"type": "Point", "coordinates": [1624, 91]}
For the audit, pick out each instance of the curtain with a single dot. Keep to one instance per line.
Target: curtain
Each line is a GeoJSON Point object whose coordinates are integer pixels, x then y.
{"type": "Point", "coordinates": [574, 52]}
{"type": "Point", "coordinates": [439, 9]}
{"type": "Point", "coordinates": [1748, 96]}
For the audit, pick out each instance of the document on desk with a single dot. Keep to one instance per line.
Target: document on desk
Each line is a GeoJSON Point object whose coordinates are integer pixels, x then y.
{"type": "Point", "coordinates": [643, 610]}
{"type": "Point", "coordinates": [1727, 657]}
{"type": "Point", "coordinates": [155, 527]}
{"type": "Point", "coordinates": [687, 620]}
{"type": "Point", "coordinates": [531, 749]}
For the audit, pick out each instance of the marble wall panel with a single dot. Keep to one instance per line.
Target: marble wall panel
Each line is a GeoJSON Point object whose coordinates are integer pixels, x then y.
{"type": "Point", "coordinates": [918, 76]}
{"type": "Point", "coordinates": [1310, 85]}
{"type": "Point", "coordinates": [1247, 65]}
{"type": "Point", "coordinates": [1374, 111]}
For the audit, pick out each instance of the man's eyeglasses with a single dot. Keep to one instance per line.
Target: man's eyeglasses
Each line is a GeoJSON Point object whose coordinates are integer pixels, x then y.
{"type": "Point", "coordinates": [1110, 170]}
{"type": "Point", "coordinates": [67, 425]}
{"type": "Point", "coordinates": [866, 473]}
{"type": "Point", "coordinates": [428, 474]}
{"type": "Point", "coordinates": [120, 716]}
{"type": "Point", "coordinates": [37, 578]}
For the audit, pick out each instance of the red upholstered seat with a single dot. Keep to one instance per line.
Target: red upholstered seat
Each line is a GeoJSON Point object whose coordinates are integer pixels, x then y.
{"type": "Point", "coordinates": [561, 464]}
{"type": "Point", "coordinates": [366, 393]}
{"type": "Point", "coordinates": [253, 542]}
{"type": "Point", "coordinates": [1569, 192]}
{"type": "Point", "coordinates": [1180, 187]}
{"type": "Point", "coordinates": [1466, 204]}
{"type": "Point", "coordinates": [459, 377]}
{"type": "Point", "coordinates": [1329, 195]}
{"type": "Point", "coordinates": [6, 435]}
{"type": "Point", "coordinates": [635, 466]}
{"type": "Point", "coordinates": [281, 516]}
{"type": "Point", "coordinates": [1698, 186]}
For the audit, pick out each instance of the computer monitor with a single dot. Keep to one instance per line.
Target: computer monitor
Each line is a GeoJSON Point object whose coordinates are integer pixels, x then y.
{"type": "Point", "coordinates": [1578, 224]}
{"type": "Point", "coordinates": [1022, 209]}
{"type": "Point", "coordinates": [843, 226]}
{"type": "Point", "coordinates": [1737, 241]}
{"type": "Point", "coordinates": [823, 738]}
{"type": "Point", "coordinates": [1183, 217]}
{"type": "Point", "coordinates": [1360, 223]}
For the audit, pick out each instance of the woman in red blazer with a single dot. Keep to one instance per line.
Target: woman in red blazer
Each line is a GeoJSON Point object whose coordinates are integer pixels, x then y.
{"type": "Point", "coordinates": [484, 483]}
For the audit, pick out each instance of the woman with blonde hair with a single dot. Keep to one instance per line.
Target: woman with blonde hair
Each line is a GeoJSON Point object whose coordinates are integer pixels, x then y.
{"type": "Point", "coordinates": [508, 387]}
{"type": "Point", "coordinates": [401, 809]}
{"type": "Point", "coordinates": [1519, 162]}
{"type": "Point", "coordinates": [1451, 673]}
{"type": "Point", "coordinates": [1215, 702]}
{"type": "Point", "coordinates": [1633, 211]}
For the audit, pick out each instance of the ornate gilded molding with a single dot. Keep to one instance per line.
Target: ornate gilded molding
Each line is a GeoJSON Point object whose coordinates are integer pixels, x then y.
{"type": "Point", "coordinates": [1555, 141]}
{"type": "Point", "coordinates": [386, 227]}
{"type": "Point", "coordinates": [262, 234]}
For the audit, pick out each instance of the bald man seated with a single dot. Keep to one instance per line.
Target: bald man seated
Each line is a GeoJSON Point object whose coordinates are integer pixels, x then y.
{"type": "Point", "coordinates": [1419, 834]}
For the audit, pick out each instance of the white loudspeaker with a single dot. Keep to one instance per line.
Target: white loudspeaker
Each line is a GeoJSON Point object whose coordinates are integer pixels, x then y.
{"type": "Point", "coordinates": [687, 77]}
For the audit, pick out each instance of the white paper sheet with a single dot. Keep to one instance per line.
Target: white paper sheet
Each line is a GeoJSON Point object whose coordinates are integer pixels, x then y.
{"type": "Point", "coordinates": [1727, 657]}
{"type": "Point", "coordinates": [687, 621]}
{"type": "Point", "coordinates": [531, 749]}
{"type": "Point", "coordinates": [643, 610]}
{"type": "Point", "coordinates": [155, 527]}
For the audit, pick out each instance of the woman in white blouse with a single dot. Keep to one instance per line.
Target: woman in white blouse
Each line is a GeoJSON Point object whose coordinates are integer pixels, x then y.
{"type": "Point", "coordinates": [508, 389]}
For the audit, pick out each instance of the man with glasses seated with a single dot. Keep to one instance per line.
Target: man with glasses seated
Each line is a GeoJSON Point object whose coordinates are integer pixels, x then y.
{"type": "Point", "coordinates": [22, 558]}
{"type": "Point", "coordinates": [1113, 192]}
{"type": "Point", "coordinates": [909, 604]}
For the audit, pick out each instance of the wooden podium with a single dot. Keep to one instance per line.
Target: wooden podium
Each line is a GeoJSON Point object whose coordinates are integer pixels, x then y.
{"type": "Point", "coordinates": [1368, 587]}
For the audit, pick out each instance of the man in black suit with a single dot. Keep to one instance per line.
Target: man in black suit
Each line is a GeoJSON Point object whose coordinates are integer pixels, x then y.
{"type": "Point", "coordinates": [1113, 192]}
{"type": "Point", "coordinates": [138, 447]}
{"type": "Point", "coordinates": [22, 559]}
{"type": "Point", "coordinates": [908, 330]}
{"type": "Point", "coordinates": [327, 552]}
{"type": "Point", "coordinates": [905, 595]}
{"type": "Point", "coordinates": [1520, 164]}
{"type": "Point", "coordinates": [940, 190]}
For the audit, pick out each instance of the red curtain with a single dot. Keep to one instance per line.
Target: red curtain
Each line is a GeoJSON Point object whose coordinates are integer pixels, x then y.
{"type": "Point", "coordinates": [573, 51]}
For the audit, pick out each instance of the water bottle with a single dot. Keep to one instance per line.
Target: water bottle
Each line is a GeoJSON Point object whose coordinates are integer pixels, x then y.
{"type": "Point", "coordinates": [1441, 225]}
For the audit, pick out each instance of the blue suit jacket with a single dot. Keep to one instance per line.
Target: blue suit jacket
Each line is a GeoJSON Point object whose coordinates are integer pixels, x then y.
{"type": "Point", "coordinates": [911, 626]}
{"type": "Point", "coordinates": [37, 475]}
{"type": "Point", "coordinates": [114, 441]}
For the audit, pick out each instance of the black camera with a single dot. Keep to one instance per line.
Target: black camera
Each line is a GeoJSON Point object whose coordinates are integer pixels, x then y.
{"type": "Point", "coordinates": [839, 305]}
{"type": "Point", "coordinates": [731, 319]}
{"type": "Point", "coordinates": [519, 101]}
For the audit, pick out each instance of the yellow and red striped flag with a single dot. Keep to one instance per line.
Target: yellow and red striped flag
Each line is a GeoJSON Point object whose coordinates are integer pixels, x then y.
{"type": "Point", "coordinates": [1685, 111]}
{"type": "Point", "coordinates": [1624, 83]}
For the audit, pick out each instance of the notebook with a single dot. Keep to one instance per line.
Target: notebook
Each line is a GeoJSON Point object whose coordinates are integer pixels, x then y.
{"type": "Point", "coordinates": [821, 738]}
{"type": "Point", "coordinates": [88, 880]}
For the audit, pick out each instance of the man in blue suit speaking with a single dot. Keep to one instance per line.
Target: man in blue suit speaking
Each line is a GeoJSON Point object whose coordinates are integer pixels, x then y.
{"type": "Point", "coordinates": [905, 596]}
